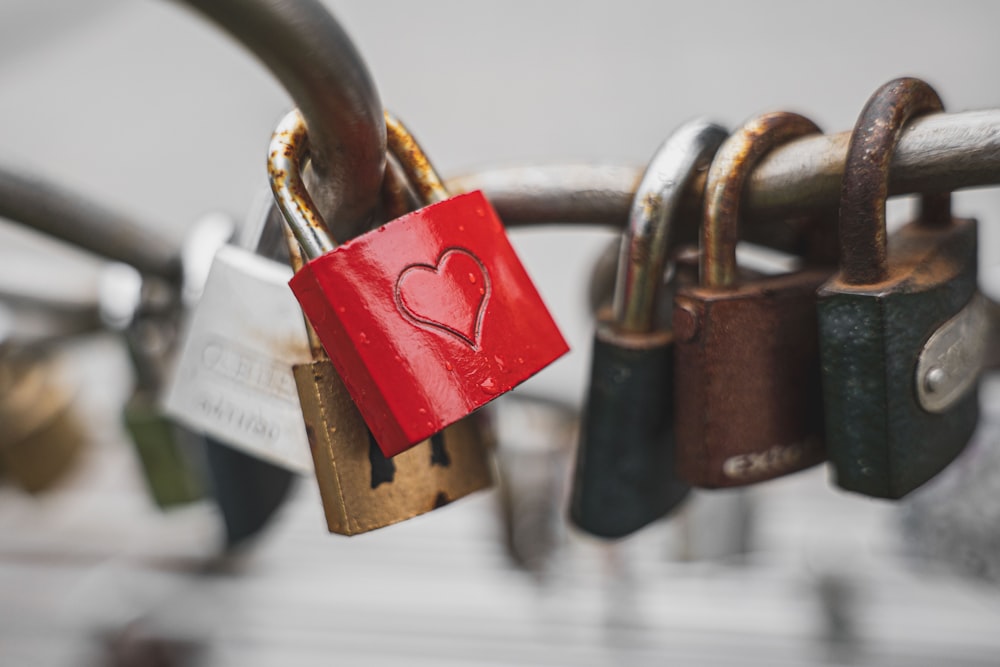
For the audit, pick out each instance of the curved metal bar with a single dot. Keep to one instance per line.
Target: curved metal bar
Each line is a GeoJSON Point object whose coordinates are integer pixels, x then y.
{"type": "Point", "coordinates": [70, 217]}
{"type": "Point", "coordinates": [314, 59]}
{"type": "Point", "coordinates": [936, 153]}
{"type": "Point", "coordinates": [939, 152]}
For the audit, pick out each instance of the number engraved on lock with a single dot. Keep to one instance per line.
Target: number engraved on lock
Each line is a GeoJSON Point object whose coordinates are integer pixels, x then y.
{"type": "Point", "coordinates": [223, 411]}
{"type": "Point", "coordinates": [769, 461]}
{"type": "Point", "coordinates": [449, 296]}
{"type": "Point", "coordinates": [248, 369]}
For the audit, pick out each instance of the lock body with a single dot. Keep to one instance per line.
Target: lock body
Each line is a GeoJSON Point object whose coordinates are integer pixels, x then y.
{"type": "Point", "coordinates": [881, 440]}
{"type": "Point", "coordinates": [233, 379]}
{"type": "Point", "coordinates": [360, 488]}
{"type": "Point", "coordinates": [165, 451]}
{"type": "Point", "coordinates": [624, 476]}
{"type": "Point", "coordinates": [428, 318]}
{"type": "Point", "coordinates": [41, 435]}
{"type": "Point", "coordinates": [748, 361]}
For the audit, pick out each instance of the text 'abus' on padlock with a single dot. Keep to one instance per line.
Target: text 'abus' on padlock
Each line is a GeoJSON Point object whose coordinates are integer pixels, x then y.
{"type": "Point", "coordinates": [360, 488]}
{"type": "Point", "coordinates": [426, 318]}
{"type": "Point", "coordinates": [233, 379]}
{"type": "Point", "coordinates": [749, 399]}
{"type": "Point", "coordinates": [624, 475]}
{"type": "Point", "coordinates": [900, 392]}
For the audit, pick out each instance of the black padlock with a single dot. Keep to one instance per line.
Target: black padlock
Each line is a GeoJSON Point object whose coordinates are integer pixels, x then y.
{"type": "Point", "coordinates": [892, 422]}
{"type": "Point", "coordinates": [624, 469]}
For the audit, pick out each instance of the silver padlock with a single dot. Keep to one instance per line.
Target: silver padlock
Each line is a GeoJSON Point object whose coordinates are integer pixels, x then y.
{"type": "Point", "coordinates": [233, 376]}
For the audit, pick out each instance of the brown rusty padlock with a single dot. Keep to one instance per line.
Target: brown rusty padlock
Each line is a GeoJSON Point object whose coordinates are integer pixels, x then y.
{"type": "Point", "coordinates": [747, 356]}
{"type": "Point", "coordinates": [360, 488]}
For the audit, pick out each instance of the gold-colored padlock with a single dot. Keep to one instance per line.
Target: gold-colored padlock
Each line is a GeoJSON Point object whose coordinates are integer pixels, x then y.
{"type": "Point", "coordinates": [41, 436]}
{"type": "Point", "coordinates": [360, 488]}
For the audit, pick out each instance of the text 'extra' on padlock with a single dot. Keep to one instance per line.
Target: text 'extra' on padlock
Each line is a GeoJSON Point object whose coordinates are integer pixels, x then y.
{"type": "Point", "coordinates": [426, 318]}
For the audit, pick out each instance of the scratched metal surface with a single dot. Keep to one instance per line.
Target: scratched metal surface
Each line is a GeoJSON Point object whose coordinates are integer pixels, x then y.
{"type": "Point", "coordinates": [109, 98]}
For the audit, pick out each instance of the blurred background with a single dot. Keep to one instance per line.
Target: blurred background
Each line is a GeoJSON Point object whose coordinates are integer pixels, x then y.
{"type": "Point", "coordinates": [147, 108]}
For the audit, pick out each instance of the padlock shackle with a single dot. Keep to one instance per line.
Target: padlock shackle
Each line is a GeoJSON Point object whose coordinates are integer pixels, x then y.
{"type": "Point", "coordinates": [863, 242]}
{"type": "Point", "coordinates": [417, 167]}
{"type": "Point", "coordinates": [304, 46]}
{"type": "Point", "coordinates": [724, 187]}
{"type": "Point", "coordinates": [285, 156]}
{"type": "Point", "coordinates": [649, 237]}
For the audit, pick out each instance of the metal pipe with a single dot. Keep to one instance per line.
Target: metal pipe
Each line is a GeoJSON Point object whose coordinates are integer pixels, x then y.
{"type": "Point", "coordinates": [937, 153]}
{"type": "Point", "coordinates": [72, 218]}
{"type": "Point", "coordinates": [306, 49]}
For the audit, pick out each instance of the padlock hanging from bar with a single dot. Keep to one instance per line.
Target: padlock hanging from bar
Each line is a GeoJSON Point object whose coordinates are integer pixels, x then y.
{"type": "Point", "coordinates": [425, 318]}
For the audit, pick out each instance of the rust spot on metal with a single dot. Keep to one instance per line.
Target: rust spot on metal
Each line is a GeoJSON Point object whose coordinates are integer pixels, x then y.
{"type": "Point", "coordinates": [288, 151]}
{"type": "Point", "coordinates": [725, 184]}
{"type": "Point", "coordinates": [863, 240]}
{"type": "Point", "coordinates": [418, 168]}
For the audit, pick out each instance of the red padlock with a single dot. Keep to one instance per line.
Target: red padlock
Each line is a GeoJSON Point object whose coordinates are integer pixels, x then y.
{"type": "Point", "coordinates": [425, 318]}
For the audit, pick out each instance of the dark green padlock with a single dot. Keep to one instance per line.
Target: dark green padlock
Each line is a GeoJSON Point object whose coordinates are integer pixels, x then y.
{"type": "Point", "coordinates": [144, 316]}
{"type": "Point", "coordinates": [166, 453]}
{"type": "Point", "coordinates": [899, 405]}
{"type": "Point", "coordinates": [624, 468]}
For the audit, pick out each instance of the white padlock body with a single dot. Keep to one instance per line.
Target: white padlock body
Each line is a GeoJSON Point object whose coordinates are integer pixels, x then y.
{"type": "Point", "coordinates": [233, 378]}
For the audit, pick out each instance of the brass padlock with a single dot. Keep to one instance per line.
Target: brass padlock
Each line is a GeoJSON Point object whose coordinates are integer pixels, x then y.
{"type": "Point", "coordinates": [42, 436]}
{"type": "Point", "coordinates": [360, 488]}
{"type": "Point", "coordinates": [749, 399]}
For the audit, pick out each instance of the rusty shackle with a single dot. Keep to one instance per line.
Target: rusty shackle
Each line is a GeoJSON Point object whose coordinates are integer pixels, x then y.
{"type": "Point", "coordinates": [725, 184]}
{"type": "Point", "coordinates": [863, 256]}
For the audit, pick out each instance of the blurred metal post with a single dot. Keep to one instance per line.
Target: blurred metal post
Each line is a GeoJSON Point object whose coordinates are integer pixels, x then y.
{"type": "Point", "coordinates": [314, 59]}
{"type": "Point", "coordinates": [70, 217]}
{"type": "Point", "coordinates": [937, 153]}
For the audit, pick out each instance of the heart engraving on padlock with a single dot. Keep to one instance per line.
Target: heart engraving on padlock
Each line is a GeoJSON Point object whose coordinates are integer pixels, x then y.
{"type": "Point", "coordinates": [450, 296]}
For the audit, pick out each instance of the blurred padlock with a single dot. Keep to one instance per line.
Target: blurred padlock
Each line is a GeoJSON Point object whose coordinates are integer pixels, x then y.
{"type": "Point", "coordinates": [625, 461]}
{"type": "Point", "coordinates": [41, 435]}
{"type": "Point", "coordinates": [902, 325]}
{"type": "Point", "coordinates": [361, 489]}
{"type": "Point", "coordinates": [535, 438]}
{"type": "Point", "coordinates": [749, 407]}
{"type": "Point", "coordinates": [167, 453]}
{"type": "Point", "coordinates": [233, 379]}
{"type": "Point", "coordinates": [426, 318]}
{"type": "Point", "coordinates": [247, 490]}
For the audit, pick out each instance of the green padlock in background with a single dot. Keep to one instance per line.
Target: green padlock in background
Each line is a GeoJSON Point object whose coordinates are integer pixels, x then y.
{"type": "Point", "coordinates": [167, 453]}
